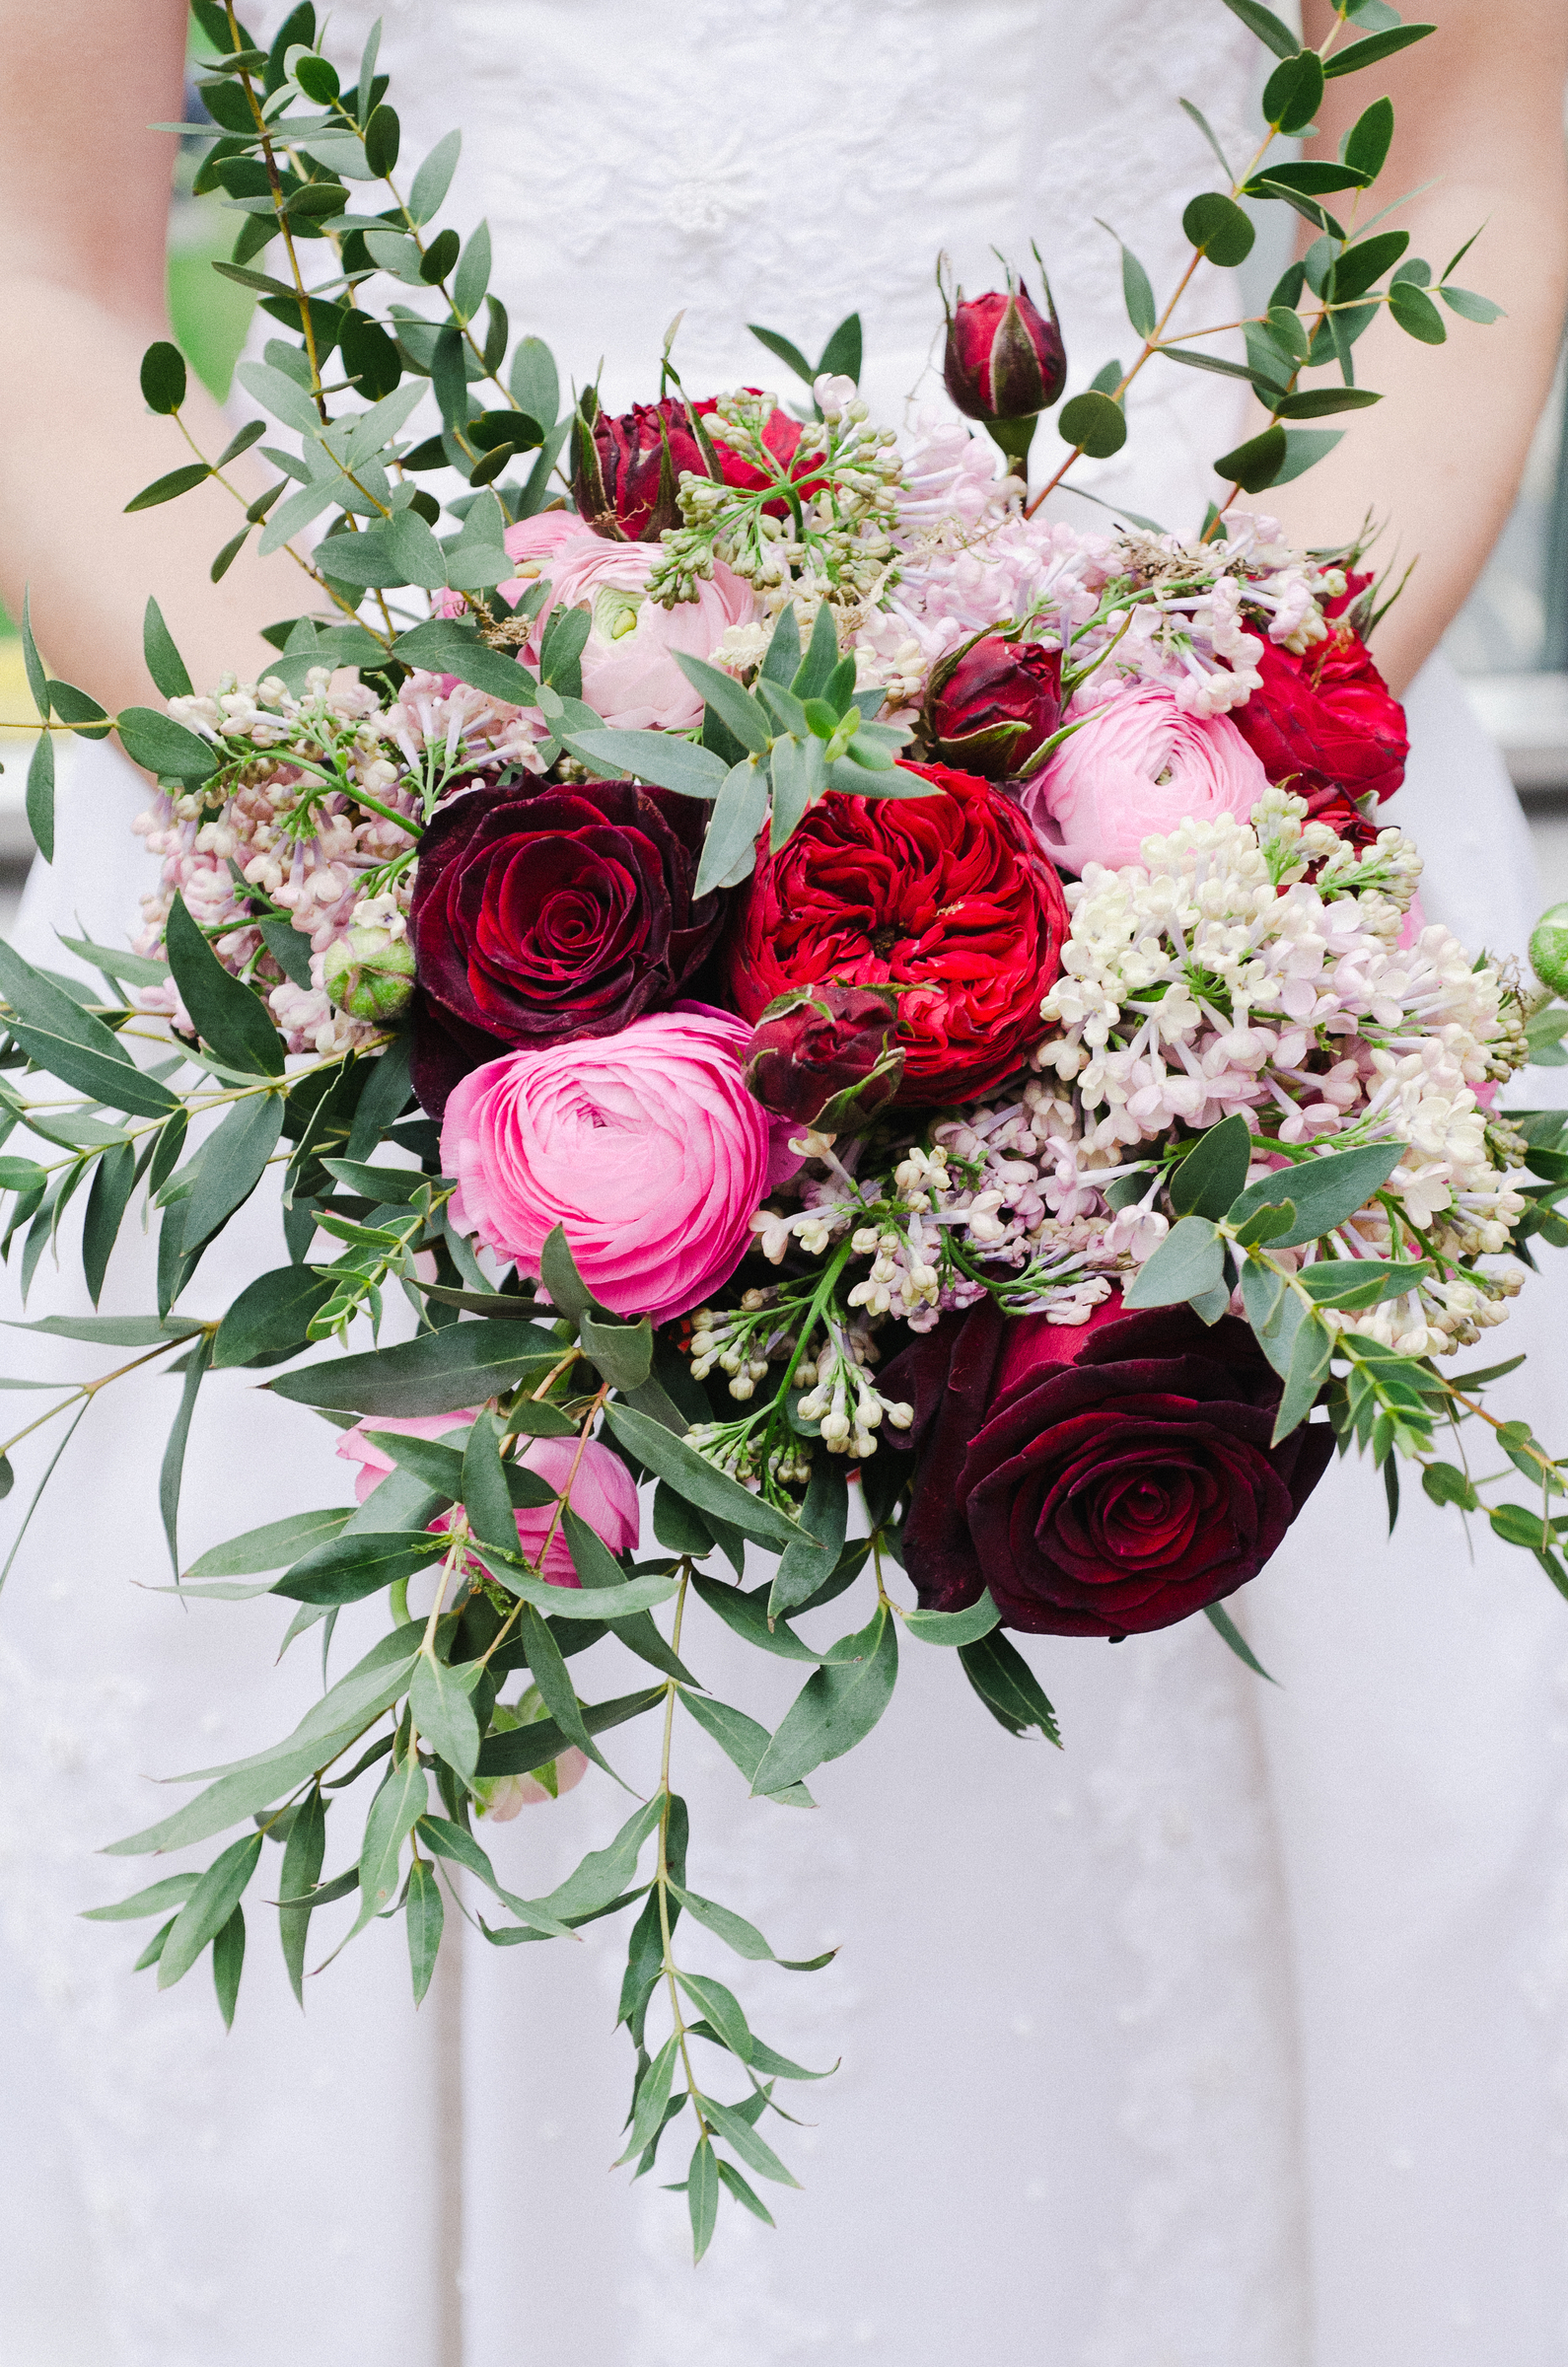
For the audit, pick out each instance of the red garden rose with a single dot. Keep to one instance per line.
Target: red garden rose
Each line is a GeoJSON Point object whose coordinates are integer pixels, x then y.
{"type": "Point", "coordinates": [629, 448]}
{"type": "Point", "coordinates": [993, 705]}
{"type": "Point", "coordinates": [827, 1056]}
{"type": "Point", "coordinates": [541, 913]}
{"type": "Point", "coordinates": [948, 895]}
{"type": "Point", "coordinates": [1326, 722]}
{"type": "Point", "coordinates": [1099, 1479]}
{"type": "Point", "coordinates": [1004, 358]}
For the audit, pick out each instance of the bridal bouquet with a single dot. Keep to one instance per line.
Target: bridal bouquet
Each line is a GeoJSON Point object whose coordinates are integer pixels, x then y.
{"type": "Point", "coordinates": [785, 997]}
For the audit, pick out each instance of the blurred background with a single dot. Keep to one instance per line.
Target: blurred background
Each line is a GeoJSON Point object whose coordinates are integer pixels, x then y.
{"type": "Point", "coordinates": [1510, 644]}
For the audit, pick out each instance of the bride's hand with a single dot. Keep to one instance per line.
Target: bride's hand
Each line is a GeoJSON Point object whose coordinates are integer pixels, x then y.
{"type": "Point", "coordinates": [1480, 111]}
{"type": "Point", "coordinates": [84, 211]}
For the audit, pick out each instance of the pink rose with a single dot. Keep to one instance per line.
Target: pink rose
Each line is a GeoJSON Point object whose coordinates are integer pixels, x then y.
{"type": "Point", "coordinates": [603, 1491]}
{"type": "Point", "coordinates": [646, 1146]}
{"type": "Point", "coordinates": [1137, 767]}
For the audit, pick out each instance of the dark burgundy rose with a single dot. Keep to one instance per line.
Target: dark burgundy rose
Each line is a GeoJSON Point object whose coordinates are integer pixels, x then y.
{"type": "Point", "coordinates": [1326, 722]}
{"type": "Point", "coordinates": [1099, 1479]}
{"type": "Point", "coordinates": [631, 496]}
{"type": "Point", "coordinates": [992, 705]}
{"type": "Point", "coordinates": [541, 913]}
{"type": "Point", "coordinates": [826, 1055]}
{"type": "Point", "coordinates": [1004, 359]}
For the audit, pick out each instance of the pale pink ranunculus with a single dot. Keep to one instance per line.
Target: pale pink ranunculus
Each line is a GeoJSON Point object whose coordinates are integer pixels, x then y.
{"type": "Point", "coordinates": [532, 542]}
{"type": "Point", "coordinates": [1138, 765]}
{"type": "Point", "coordinates": [630, 669]}
{"type": "Point", "coordinates": [645, 1146]}
{"type": "Point", "coordinates": [603, 1491]}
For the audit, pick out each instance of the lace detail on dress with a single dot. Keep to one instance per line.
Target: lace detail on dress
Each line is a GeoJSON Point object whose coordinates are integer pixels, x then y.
{"type": "Point", "coordinates": [870, 137]}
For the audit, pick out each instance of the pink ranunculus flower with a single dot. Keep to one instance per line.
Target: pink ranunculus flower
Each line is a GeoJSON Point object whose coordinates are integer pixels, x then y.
{"type": "Point", "coordinates": [1137, 767]}
{"type": "Point", "coordinates": [645, 1146]}
{"type": "Point", "coordinates": [603, 1492]}
{"type": "Point", "coordinates": [532, 542]}
{"type": "Point", "coordinates": [630, 669]}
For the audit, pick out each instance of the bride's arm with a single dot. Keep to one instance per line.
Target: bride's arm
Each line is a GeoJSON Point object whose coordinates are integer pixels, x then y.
{"type": "Point", "coordinates": [1479, 108]}
{"type": "Point", "coordinates": [84, 207]}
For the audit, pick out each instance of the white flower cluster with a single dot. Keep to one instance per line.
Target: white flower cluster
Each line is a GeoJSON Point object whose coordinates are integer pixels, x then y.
{"type": "Point", "coordinates": [1138, 603]}
{"type": "Point", "coordinates": [839, 548]}
{"type": "Point", "coordinates": [1196, 985]}
{"type": "Point", "coordinates": [999, 1187]}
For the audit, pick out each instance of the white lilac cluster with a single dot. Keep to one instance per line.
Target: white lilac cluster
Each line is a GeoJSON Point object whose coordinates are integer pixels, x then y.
{"type": "Point", "coordinates": [1215, 978]}
{"type": "Point", "coordinates": [835, 1373]}
{"type": "Point", "coordinates": [1002, 1189]}
{"type": "Point", "coordinates": [849, 473]}
{"type": "Point", "coordinates": [308, 820]}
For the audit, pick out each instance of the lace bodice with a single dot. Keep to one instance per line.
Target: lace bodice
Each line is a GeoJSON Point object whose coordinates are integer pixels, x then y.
{"type": "Point", "coordinates": [794, 160]}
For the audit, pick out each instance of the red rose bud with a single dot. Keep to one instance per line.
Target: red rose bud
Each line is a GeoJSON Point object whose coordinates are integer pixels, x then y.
{"type": "Point", "coordinates": [827, 1057]}
{"type": "Point", "coordinates": [1326, 724]}
{"type": "Point", "coordinates": [992, 705]}
{"type": "Point", "coordinates": [1004, 360]}
{"type": "Point", "coordinates": [624, 485]}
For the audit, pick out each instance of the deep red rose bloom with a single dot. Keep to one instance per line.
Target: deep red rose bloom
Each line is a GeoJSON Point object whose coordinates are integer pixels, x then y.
{"type": "Point", "coordinates": [948, 894]}
{"type": "Point", "coordinates": [541, 913]}
{"type": "Point", "coordinates": [631, 446]}
{"type": "Point", "coordinates": [1100, 1480]}
{"type": "Point", "coordinates": [831, 1045]}
{"type": "Point", "coordinates": [1004, 358]}
{"type": "Point", "coordinates": [993, 705]}
{"type": "Point", "coordinates": [1327, 722]}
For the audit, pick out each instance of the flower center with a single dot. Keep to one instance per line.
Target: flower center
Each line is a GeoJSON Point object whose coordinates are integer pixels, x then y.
{"type": "Point", "coordinates": [615, 613]}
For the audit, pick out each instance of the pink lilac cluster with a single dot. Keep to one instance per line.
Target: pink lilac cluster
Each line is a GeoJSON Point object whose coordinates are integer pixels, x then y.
{"type": "Point", "coordinates": [971, 559]}
{"type": "Point", "coordinates": [297, 822]}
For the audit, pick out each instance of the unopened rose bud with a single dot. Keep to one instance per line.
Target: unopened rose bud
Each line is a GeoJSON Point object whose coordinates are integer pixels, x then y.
{"type": "Point", "coordinates": [1005, 362]}
{"type": "Point", "coordinates": [992, 706]}
{"type": "Point", "coordinates": [827, 1057]}
{"type": "Point", "coordinates": [370, 973]}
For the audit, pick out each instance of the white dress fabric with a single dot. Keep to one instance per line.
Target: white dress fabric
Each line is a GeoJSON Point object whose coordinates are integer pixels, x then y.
{"type": "Point", "coordinates": [1236, 2035]}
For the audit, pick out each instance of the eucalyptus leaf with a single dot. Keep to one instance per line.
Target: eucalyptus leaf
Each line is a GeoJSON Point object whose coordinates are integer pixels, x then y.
{"type": "Point", "coordinates": [1188, 1262]}
{"type": "Point", "coordinates": [837, 1709]}
{"type": "Point", "coordinates": [439, 1372]}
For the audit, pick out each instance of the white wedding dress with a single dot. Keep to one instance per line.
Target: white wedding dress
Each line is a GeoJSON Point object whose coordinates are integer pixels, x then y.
{"type": "Point", "coordinates": [1237, 2034]}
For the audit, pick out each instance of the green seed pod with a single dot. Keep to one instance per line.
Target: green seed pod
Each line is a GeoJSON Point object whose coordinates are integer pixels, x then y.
{"type": "Point", "coordinates": [370, 974]}
{"type": "Point", "coordinates": [1548, 948]}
